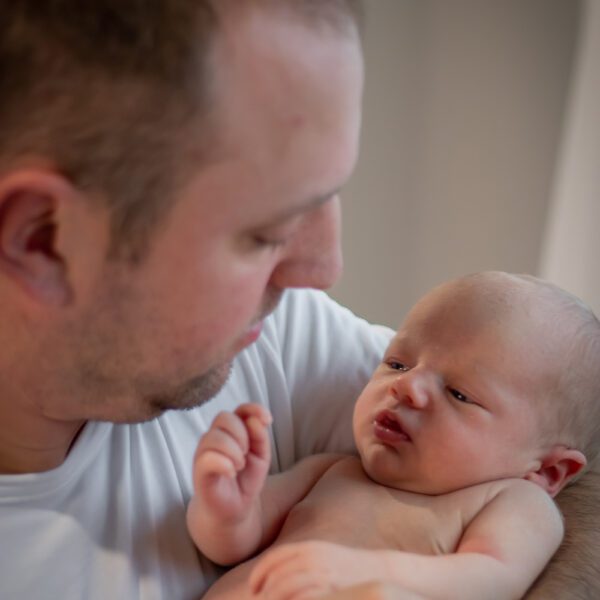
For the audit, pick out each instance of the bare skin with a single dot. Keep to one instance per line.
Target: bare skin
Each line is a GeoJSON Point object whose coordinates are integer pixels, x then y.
{"type": "Point", "coordinates": [56, 289]}
{"type": "Point", "coordinates": [389, 520]}
{"type": "Point", "coordinates": [572, 573]}
{"type": "Point", "coordinates": [451, 495]}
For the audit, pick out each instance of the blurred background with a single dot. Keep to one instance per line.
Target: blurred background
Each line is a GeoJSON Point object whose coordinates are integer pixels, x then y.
{"type": "Point", "coordinates": [480, 149]}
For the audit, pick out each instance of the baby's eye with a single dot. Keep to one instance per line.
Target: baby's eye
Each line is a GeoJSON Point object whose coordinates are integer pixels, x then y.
{"type": "Point", "coordinates": [397, 365]}
{"type": "Point", "coordinates": [459, 395]}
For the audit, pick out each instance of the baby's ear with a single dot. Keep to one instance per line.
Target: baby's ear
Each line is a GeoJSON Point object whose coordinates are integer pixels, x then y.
{"type": "Point", "coordinates": [558, 467]}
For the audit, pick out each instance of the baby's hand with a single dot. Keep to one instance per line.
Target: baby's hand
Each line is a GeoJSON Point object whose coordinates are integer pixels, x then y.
{"type": "Point", "coordinates": [232, 460]}
{"type": "Point", "coordinates": [374, 590]}
{"type": "Point", "coordinates": [312, 570]}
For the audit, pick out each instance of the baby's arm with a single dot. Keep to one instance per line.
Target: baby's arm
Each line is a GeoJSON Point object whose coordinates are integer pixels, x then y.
{"type": "Point", "coordinates": [233, 512]}
{"type": "Point", "coordinates": [500, 554]}
{"type": "Point", "coordinates": [230, 467]}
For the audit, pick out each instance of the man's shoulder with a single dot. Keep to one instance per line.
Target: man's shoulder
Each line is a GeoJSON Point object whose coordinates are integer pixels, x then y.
{"type": "Point", "coordinates": [312, 324]}
{"type": "Point", "coordinates": [311, 303]}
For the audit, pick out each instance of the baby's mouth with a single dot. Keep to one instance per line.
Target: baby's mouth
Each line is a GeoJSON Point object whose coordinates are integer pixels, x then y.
{"type": "Point", "coordinates": [388, 428]}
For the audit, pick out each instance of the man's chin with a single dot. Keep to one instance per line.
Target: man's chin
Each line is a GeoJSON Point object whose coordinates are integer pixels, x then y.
{"type": "Point", "coordinates": [192, 393]}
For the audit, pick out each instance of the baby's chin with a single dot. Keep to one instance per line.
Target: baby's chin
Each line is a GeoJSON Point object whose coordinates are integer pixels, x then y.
{"type": "Point", "coordinates": [387, 477]}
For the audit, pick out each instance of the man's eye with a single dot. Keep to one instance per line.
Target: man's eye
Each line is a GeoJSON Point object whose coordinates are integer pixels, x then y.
{"type": "Point", "coordinates": [397, 365]}
{"type": "Point", "coordinates": [266, 242]}
{"type": "Point", "coordinates": [459, 395]}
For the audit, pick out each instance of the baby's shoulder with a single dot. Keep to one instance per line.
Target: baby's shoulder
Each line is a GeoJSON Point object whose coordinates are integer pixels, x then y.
{"type": "Point", "coordinates": [488, 490]}
{"type": "Point", "coordinates": [514, 488]}
{"type": "Point", "coordinates": [518, 494]}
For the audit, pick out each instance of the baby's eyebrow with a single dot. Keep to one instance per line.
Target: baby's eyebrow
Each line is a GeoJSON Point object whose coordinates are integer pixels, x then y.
{"type": "Point", "coordinates": [398, 342]}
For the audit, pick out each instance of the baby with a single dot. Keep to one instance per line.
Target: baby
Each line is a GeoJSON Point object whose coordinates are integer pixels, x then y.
{"type": "Point", "coordinates": [485, 405]}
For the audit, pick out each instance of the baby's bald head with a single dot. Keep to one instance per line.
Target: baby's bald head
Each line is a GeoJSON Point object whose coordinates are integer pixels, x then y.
{"type": "Point", "coordinates": [550, 330]}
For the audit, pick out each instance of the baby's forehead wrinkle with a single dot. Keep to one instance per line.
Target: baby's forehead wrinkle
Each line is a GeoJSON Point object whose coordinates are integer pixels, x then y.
{"type": "Point", "coordinates": [397, 343]}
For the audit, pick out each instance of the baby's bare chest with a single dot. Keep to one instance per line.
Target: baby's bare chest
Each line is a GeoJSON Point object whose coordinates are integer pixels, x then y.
{"type": "Point", "coordinates": [348, 508]}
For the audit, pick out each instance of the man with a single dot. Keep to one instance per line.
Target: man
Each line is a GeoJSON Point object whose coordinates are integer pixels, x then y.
{"type": "Point", "coordinates": [167, 170]}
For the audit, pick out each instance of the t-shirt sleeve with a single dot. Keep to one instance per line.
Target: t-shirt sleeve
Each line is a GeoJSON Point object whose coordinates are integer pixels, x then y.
{"type": "Point", "coordinates": [328, 355]}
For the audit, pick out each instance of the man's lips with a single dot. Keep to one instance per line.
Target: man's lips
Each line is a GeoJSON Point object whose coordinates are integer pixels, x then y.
{"type": "Point", "coordinates": [253, 332]}
{"type": "Point", "coordinates": [388, 429]}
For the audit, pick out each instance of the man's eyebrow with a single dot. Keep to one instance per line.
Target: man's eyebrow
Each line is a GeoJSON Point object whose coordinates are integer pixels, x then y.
{"type": "Point", "coordinates": [311, 204]}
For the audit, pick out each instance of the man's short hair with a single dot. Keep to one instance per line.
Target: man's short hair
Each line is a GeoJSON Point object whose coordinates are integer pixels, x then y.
{"type": "Point", "coordinates": [106, 91]}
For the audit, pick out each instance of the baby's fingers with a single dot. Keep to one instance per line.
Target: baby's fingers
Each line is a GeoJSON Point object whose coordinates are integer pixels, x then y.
{"type": "Point", "coordinates": [232, 425]}
{"type": "Point", "coordinates": [227, 431]}
{"type": "Point", "coordinates": [295, 586]}
{"type": "Point", "coordinates": [258, 436]}
{"type": "Point", "coordinates": [257, 420]}
{"type": "Point", "coordinates": [245, 411]}
{"type": "Point", "coordinates": [269, 565]}
{"type": "Point", "coordinates": [222, 442]}
{"type": "Point", "coordinates": [212, 463]}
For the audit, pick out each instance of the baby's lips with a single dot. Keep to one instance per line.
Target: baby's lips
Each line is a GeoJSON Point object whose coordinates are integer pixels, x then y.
{"type": "Point", "coordinates": [388, 422]}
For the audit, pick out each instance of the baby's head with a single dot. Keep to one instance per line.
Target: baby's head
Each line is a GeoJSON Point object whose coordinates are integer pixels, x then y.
{"type": "Point", "coordinates": [490, 376]}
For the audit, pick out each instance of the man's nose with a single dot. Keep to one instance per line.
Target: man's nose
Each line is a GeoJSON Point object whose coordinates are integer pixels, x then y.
{"type": "Point", "coordinates": [413, 388]}
{"type": "Point", "coordinates": [313, 257]}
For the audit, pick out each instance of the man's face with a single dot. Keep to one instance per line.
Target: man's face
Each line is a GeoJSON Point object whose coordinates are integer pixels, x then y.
{"type": "Point", "coordinates": [262, 216]}
{"type": "Point", "coordinates": [454, 402]}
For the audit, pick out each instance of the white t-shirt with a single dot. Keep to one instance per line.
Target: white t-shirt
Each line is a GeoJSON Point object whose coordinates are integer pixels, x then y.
{"type": "Point", "coordinates": [110, 521]}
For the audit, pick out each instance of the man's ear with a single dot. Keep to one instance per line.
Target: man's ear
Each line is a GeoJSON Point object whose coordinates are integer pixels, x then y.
{"type": "Point", "coordinates": [29, 253]}
{"type": "Point", "coordinates": [558, 467]}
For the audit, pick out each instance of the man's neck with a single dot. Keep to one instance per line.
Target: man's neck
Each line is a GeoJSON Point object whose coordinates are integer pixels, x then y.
{"type": "Point", "coordinates": [32, 443]}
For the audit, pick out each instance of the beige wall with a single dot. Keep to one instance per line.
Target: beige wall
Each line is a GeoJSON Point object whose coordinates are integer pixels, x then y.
{"type": "Point", "coordinates": [571, 248]}
{"type": "Point", "coordinates": [463, 114]}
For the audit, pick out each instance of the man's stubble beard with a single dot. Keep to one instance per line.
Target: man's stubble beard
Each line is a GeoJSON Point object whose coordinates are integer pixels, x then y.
{"type": "Point", "coordinates": [112, 395]}
{"type": "Point", "coordinates": [202, 388]}
{"type": "Point", "coordinates": [192, 393]}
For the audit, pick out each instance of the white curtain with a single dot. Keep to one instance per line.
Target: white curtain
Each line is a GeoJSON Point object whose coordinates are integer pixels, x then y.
{"type": "Point", "coordinates": [571, 252]}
